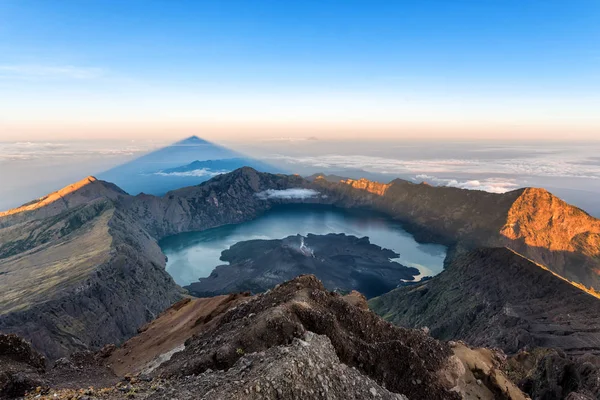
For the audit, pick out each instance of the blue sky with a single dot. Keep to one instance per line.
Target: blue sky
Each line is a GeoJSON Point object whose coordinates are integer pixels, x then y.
{"type": "Point", "coordinates": [482, 68]}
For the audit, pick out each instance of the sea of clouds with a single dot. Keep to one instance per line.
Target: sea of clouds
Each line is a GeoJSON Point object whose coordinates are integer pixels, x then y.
{"type": "Point", "coordinates": [477, 172]}
{"type": "Point", "coordinates": [493, 185]}
{"type": "Point", "coordinates": [535, 166]}
{"type": "Point", "coordinates": [25, 151]}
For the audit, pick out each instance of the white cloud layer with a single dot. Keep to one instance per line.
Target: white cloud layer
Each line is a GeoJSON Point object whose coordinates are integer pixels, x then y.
{"type": "Point", "coordinates": [196, 172]}
{"type": "Point", "coordinates": [288, 194]}
{"type": "Point", "coordinates": [534, 166]}
{"type": "Point", "coordinates": [26, 151]}
{"type": "Point", "coordinates": [493, 185]}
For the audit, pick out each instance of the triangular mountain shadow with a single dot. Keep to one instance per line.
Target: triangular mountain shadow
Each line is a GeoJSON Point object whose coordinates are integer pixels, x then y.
{"type": "Point", "coordinates": [185, 163]}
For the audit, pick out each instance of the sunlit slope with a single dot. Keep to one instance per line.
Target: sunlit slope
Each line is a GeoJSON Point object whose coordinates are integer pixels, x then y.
{"type": "Point", "coordinates": [76, 194]}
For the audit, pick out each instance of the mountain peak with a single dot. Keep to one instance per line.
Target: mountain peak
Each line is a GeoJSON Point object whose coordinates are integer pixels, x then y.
{"type": "Point", "coordinates": [541, 219]}
{"type": "Point", "coordinates": [50, 198]}
{"type": "Point", "coordinates": [80, 192]}
{"type": "Point", "coordinates": [192, 141]}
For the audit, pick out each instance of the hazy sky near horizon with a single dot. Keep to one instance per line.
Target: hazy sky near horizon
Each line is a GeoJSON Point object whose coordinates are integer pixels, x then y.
{"type": "Point", "coordinates": [569, 169]}
{"type": "Point", "coordinates": [333, 69]}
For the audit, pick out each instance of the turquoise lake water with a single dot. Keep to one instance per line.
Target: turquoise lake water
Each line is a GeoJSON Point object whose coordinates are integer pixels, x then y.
{"type": "Point", "coordinates": [194, 255]}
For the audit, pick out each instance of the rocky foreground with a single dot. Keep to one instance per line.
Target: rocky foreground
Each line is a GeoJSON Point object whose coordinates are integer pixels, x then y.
{"type": "Point", "coordinates": [296, 341]}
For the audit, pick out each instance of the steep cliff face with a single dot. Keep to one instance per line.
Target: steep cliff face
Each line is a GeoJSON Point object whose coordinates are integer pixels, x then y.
{"type": "Point", "coordinates": [434, 214]}
{"type": "Point", "coordinates": [497, 298]}
{"type": "Point", "coordinates": [365, 184]}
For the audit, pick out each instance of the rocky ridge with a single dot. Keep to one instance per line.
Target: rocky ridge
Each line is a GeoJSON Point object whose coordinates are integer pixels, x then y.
{"type": "Point", "coordinates": [298, 341]}
{"type": "Point", "coordinates": [404, 361]}
{"type": "Point", "coordinates": [497, 298]}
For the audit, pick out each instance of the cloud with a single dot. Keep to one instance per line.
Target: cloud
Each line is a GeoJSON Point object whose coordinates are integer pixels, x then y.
{"type": "Point", "coordinates": [24, 151]}
{"type": "Point", "coordinates": [50, 72]}
{"type": "Point", "coordinates": [288, 194]}
{"type": "Point", "coordinates": [541, 167]}
{"type": "Point", "coordinates": [588, 161]}
{"type": "Point", "coordinates": [195, 172]}
{"type": "Point", "coordinates": [493, 185]}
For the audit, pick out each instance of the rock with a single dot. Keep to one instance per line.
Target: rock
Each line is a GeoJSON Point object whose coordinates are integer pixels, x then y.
{"type": "Point", "coordinates": [550, 373]}
{"type": "Point", "coordinates": [293, 312]}
{"type": "Point", "coordinates": [477, 299]}
{"type": "Point", "coordinates": [21, 367]}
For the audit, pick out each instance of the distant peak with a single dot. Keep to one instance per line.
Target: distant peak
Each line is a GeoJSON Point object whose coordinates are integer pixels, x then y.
{"type": "Point", "coordinates": [246, 170]}
{"type": "Point", "coordinates": [192, 140]}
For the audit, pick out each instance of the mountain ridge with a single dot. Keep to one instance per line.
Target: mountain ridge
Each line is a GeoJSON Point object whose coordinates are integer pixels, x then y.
{"type": "Point", "coordinates": [551, 232]}
{"type": "Point", "coordinates": [494, 297]}
{"type": "Point", "coordinates": [297, 341]}
{"type": "Point", "coordinates": [133, 224]}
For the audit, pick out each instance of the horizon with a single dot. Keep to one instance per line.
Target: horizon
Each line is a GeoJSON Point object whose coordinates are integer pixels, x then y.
{"type": "Point", "coordinates": [568, 169]}
{"type": "Point", "coordinates": [335, 70]}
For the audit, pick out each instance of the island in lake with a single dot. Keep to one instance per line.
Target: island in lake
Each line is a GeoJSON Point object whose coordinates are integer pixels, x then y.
{"type": "Point", "coordinates": [342, 262]}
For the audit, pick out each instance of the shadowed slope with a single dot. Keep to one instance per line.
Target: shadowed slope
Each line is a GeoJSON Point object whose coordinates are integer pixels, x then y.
{"type": "Point", "coordinates": [159, 339]}
{"type": "Point", "coordinates": [497, 298]}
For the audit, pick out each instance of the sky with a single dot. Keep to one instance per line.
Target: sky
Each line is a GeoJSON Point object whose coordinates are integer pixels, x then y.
{"type": "Point", "coordinates": [476, 69]}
